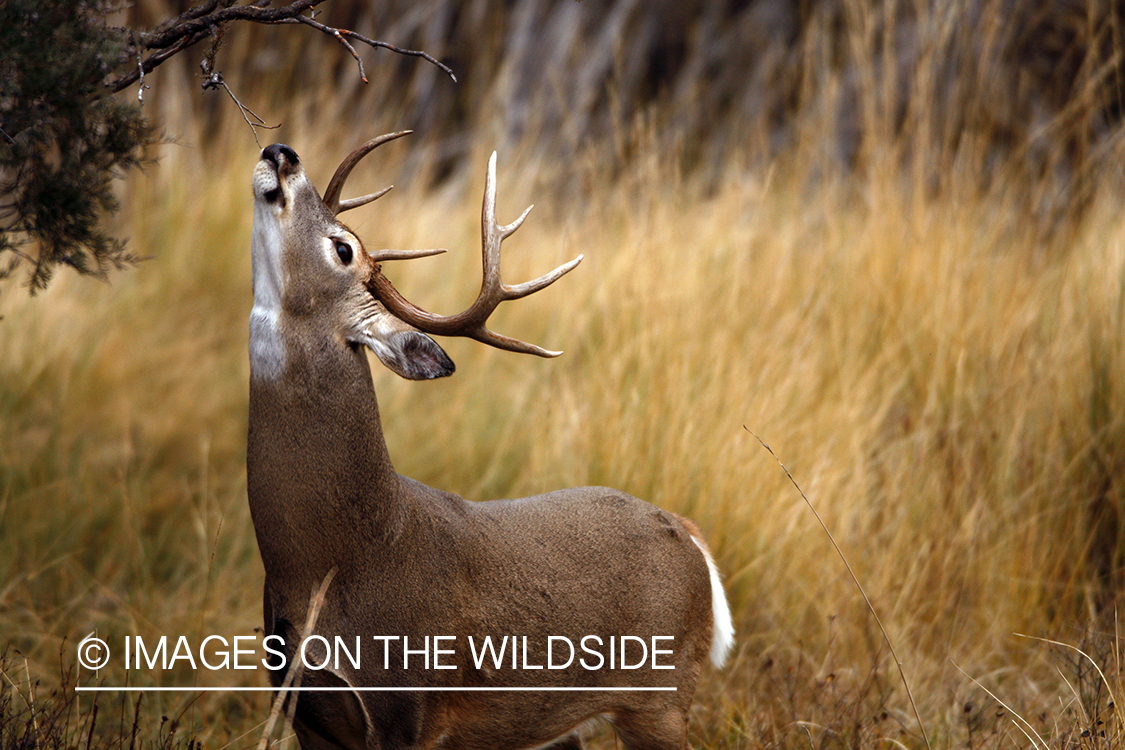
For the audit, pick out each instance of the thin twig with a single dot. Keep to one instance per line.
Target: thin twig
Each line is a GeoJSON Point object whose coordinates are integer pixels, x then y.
{"type": "Point", "coordinates": [339, 35]}
{"type": "Point", "coordinates": [855, 579]}
{"type": "Point", "coordinates": [293, 675]}
{"type": "Point", "coordinates": [1077, 698]}
{"type": "Point", "coordinates": [214, 81]}
{"type": "Point", "coordinates": [141, 87]}
{"type": "Point", "coordinates": [30, 704]}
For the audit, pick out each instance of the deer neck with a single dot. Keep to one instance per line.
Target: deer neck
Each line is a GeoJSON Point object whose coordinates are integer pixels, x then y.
{"type": "Point", "coordinates": [316, 457]}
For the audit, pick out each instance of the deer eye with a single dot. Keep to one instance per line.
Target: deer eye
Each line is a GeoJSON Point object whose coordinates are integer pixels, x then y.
{"type": "Point", "coordinates": [344, 250]}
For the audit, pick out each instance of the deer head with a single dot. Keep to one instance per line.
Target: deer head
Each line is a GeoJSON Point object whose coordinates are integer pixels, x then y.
{"type": "Point", "coordinates": [309, 268]}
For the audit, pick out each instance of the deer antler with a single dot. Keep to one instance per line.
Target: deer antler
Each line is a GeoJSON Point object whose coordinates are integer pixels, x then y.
{"type": "Point", "coordinates": [336, 184]}
{"type": "Point", "coordinates": [471, 322]}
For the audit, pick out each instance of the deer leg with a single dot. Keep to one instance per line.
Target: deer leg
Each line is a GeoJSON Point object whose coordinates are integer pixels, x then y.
{"type": "Point", "coordinates": [569, 742]}
{"type": "Point", "coordinates": [662, 729]}
{"type": "Point", "coordinates": [310, 739]}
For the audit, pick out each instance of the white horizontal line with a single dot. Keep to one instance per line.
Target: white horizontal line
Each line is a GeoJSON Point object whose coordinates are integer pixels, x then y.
{"type": "Point", "coordinates": [102, 689]}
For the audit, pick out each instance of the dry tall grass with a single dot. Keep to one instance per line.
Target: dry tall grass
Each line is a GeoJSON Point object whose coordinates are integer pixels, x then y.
{"type": "Point", "coordinates": [942, 376]}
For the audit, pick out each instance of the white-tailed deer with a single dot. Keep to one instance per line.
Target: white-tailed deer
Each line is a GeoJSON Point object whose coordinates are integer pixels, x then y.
{"type": "Point", "coordinates": [422, 577]}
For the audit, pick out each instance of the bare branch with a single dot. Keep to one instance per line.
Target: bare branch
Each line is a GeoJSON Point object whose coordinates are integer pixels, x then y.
{"type": "Point", "coordinates": [339, 34]}
{"type": "Point", "coordinates": [255, 12]}
{"type": "Point", "coordinates": [154, 60]}
{"type": "Point", "coordinates": [411, 52]}
{"type": "Point", "coordinates": [188, 15]}
{"type": "Point", "coordinates": [196, 24]}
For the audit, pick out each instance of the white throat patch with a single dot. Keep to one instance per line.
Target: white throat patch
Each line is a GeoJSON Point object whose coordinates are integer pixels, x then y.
{"type": "Point", "coordinates": [267, 347]}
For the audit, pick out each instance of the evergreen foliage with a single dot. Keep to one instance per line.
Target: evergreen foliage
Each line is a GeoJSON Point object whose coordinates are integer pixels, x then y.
{"type": "Point", "coordinates": [63, 137]}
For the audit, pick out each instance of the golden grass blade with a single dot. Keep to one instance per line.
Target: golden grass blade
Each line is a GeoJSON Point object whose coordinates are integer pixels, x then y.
{"type": "Point", "coordinates": [293, 676]}
{"type": "Point", "coordinates": [855, 579]}
{"type": "Point", "coordinates": [1040, 745]}
{"type": "Point", "coordinates": [1108, 686]}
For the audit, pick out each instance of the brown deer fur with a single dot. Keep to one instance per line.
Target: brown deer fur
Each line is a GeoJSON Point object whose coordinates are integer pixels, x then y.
{"type": "Point", "coordinates": [414, 561]}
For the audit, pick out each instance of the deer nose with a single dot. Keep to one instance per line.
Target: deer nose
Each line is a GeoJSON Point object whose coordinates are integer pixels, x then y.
{"type": "Point", "coordinates": [272, 153]}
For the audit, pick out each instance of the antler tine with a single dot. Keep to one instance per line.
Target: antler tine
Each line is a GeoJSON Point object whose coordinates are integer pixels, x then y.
{"type": "Point", "coordinates": [446, 325]}
{"type": "Point", "coordinates": [493, 233]}
{"type": "Point", "coordinates": [350, 203]}
{"type": "Point", "coordinates": [381, 255]}
{"type": "Point", "coordinates": [530, 287]}
{"type": "Point", "coordinates": [471, 322]}
{"type": "Point", "coordinates": [336, 184]}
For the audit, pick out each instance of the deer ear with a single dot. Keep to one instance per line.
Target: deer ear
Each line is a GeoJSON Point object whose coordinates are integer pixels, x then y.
{"type": "Point", "coordinates": [414, 356]}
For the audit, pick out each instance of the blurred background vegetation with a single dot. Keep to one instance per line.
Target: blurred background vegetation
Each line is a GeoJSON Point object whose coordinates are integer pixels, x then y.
{"type": "Point", "coordinates": [884, 236]}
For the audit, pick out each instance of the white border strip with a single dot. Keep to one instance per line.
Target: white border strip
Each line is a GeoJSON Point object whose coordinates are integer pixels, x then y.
{"type": "Point", "coordinates": [372, 689]}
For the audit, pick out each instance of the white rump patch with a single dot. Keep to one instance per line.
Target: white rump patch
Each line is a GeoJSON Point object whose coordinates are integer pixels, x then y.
{"type": "Point", "coordinates": [723, 638]}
